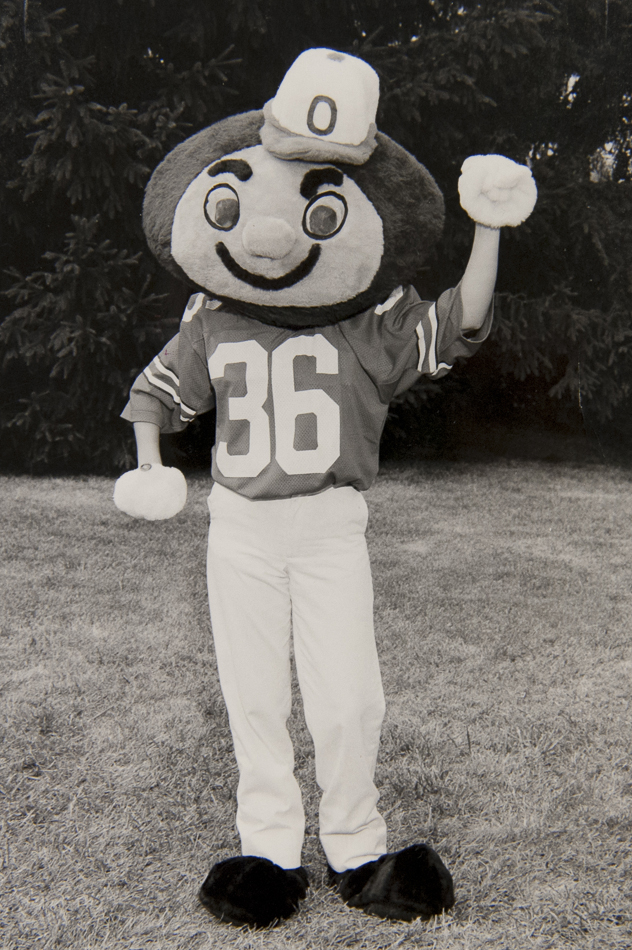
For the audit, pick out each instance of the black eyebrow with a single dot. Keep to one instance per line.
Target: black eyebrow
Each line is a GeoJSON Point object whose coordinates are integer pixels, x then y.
{"type": "Point", "coordinates": [231, 166]}
{"type": "Point", "coordinates": [319, 176]}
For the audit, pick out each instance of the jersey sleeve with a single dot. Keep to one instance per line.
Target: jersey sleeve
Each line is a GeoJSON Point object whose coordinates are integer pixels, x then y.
{"type": "Point", "coordinates": [175, 387]}
{"type": "Point", "coordinates": [406, 337]}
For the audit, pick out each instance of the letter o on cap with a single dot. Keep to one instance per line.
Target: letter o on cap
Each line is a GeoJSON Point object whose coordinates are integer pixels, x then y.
{"type": "Point", "coordinates": [326, 103]}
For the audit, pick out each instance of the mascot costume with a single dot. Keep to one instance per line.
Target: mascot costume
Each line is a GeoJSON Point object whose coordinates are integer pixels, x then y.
{"type": "Point", "coordinates": [300, 228]}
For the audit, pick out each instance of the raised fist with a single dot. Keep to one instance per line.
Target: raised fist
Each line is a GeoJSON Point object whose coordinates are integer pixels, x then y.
{"type": "Point", "coordinates": [495, 191]}
{"type": "Point", "coordinates": [153, 492]}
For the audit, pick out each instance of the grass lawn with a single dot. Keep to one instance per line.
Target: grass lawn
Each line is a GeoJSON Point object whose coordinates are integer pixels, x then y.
{"type": "Point", "coordinates": [503, 606]}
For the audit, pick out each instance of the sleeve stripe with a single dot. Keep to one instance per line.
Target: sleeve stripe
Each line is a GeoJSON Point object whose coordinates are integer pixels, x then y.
{"type": "Point", "coordinates": [432, 355]}
{"type": "Point", "coordinates": [434, 368]}
{"type": "Point", "coordinates": [162, 369]}
{"type": "Point", "coordinates": [422, 347]}
{"type": "Point", "coordinates": [192, 307]}
{"type": "Point", "coordinates": [167, 388]}
{"type": "Point", "coordinates": [390, 303]}
{"type": "Point", "coordinates": [440, 367]}
{"type": "Point", "coordinates": [429, 351]}
{"type": "Point", "coordinates": [159, 384]}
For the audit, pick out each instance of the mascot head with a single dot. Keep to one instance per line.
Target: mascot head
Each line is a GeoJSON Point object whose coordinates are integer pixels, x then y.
{"type": "Point", "coordinates": [300, 215]}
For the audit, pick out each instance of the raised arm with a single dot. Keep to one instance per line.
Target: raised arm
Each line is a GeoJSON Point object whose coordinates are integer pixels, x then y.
{"type": "Point", "coordinates": [496, 192]}
{"type": "Point", "coordinates": [479, 279]}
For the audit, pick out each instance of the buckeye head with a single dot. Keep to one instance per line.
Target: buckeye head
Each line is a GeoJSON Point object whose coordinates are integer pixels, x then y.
{"type": "Point", "coordinates": [289, 225]}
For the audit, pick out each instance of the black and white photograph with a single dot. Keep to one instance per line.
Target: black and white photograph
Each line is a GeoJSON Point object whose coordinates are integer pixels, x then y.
{"type": "Point", "coordinates": [316, 474]}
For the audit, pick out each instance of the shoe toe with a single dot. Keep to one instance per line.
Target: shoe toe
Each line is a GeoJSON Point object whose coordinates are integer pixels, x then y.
{"type": "Point", "coordinates": [253, 891]}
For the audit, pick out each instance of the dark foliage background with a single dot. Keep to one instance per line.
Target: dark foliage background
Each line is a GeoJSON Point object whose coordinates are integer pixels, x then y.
{"type": "Point", "coordinates": [94, 94]}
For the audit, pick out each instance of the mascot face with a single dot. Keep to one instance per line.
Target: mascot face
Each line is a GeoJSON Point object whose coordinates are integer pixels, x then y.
{"type": "Point", "coordinates": [289, 215]}
{"type": "Point", "coordinates": [259, 229]}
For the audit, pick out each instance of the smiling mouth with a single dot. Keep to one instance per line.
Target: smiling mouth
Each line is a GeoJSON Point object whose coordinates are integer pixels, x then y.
{"type": "Point", "coordinates": [292, 277]}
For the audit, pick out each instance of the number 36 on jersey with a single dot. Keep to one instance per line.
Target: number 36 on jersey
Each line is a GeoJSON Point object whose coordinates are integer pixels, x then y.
{"type": "Point", "coordinates": [274, 376]}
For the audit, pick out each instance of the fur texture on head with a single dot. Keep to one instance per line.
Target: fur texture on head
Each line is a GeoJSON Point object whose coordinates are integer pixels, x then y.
{"type": "Point", "coordinates": [178, 169]}
{"type": "Point", "coordinates": [401, 190]}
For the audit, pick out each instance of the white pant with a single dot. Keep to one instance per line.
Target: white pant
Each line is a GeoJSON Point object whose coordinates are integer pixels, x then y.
{"type": "Point", "coordinates": [298, 564]}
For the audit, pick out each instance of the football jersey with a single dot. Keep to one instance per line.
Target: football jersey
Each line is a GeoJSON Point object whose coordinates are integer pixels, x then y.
{"type": "Point", "coordinates": [298, 411]}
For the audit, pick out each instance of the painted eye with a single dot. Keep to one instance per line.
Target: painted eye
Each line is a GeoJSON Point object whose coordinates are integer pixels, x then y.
{"type": "Point", "coordinates": [221, 207]}
{"type": "Point", "coordinates": [325, 215]}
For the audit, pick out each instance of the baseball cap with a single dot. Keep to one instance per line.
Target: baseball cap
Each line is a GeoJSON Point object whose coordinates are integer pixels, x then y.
{"type": "Point", "coordinates": [324, 109]}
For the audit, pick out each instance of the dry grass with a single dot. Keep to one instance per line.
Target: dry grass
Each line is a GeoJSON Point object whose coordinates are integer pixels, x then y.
{"type": "Point", "coordinates": [503, 598]}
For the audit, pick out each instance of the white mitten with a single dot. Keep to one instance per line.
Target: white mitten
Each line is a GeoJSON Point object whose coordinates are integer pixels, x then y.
{"type": "Point", "coordinates": [495, 191]}
{"type": "Point", "coordinates": [153, 492]}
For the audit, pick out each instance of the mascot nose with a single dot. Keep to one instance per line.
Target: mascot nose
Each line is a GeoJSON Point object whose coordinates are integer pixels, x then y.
{"type": "Point", "coordinates": [268, 237]}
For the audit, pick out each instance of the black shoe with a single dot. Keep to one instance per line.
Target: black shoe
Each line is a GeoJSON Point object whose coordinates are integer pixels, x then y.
{"type": "Point", "coordinates": [253, 891]}
{"type": "Point", "coordinates": [402, 886]}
